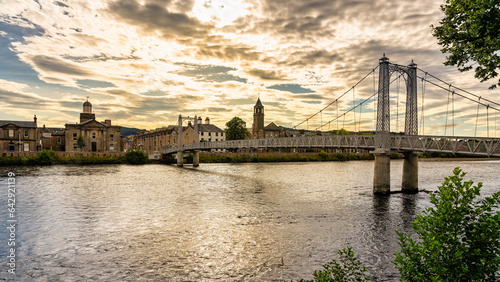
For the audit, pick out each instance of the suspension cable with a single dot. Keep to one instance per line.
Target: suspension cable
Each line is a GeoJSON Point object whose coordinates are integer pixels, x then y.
{"type": "Point", "coordinates": [354, 112]}
{"type": "Point", "coordinates": [453, 113]}
{"type": "Point", "coordinates": [324, 108]}
{"type": "Point", "coordinates": [374, 104]}
{"type": "Point", "coordinates": [496, 125]}
{"type": "Point", "coordinates": [477, 116]}
{"type": "Point", "coordinates": [337, 115]}
{"type": "Point", "coordinates": [487, 122]}
{"type": "Point", "coordinates": [465, 97]}
{"type": "Point", "coordinates": [477, 96]}
{"type": "Point", "coordinates": [397, 104]}
{"type": "Point", "coordinates": [360, 117]}
{"type": "Point", "coordinates": [447, 106]}
{"type": "Point", "coordinates": [353, 108]}
{"type": "Point", "coordinates": [422, 122]}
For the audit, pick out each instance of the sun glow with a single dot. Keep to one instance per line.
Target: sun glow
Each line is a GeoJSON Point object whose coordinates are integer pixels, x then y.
{"type": "Point", "coordinates": [222, 12]}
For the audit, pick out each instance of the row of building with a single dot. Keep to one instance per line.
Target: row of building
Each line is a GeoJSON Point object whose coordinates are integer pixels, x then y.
{"type": "Point", "coordinates": [152, 141]}
{"type": "Point", "coordinates": [90, 135]}
{"type": "Point", "coordinates": [95, 136]}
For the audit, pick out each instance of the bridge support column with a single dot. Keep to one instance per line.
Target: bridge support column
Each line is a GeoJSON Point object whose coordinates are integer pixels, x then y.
{"type": "Point", "coordinates": [196, 158]}
{"type": "Point", "coordinates": [410, 173]}
{"type": "Point", "coordinates": [180, 158]}
{"type": "Point", "coordinates": [382, 173]}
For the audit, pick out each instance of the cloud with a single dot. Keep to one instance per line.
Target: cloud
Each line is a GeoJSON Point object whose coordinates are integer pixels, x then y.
{"type": "Point", "coordinates": [50, 64]}
{"type": "Point", "coordinates": [157, 16]}
{"type": "Point", "coordinates": [267, 74]}
{"type": "Point", "coordinates": [209, 73]}
{"type": "Point", "coordinates": [292, 88]}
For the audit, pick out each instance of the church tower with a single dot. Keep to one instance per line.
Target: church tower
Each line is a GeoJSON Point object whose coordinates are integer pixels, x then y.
{"type": "Point", "coordinates": [258, 120]}
{"type": "Point", "coordinates": [87, 112]}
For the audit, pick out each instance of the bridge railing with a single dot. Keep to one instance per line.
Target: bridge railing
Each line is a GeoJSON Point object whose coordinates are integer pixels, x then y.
{"type": "Point", "coordinates": [480, 146]}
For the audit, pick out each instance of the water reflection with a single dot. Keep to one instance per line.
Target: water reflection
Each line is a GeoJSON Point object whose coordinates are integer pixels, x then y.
{"type": "Point", "coordinates": [221, 221]}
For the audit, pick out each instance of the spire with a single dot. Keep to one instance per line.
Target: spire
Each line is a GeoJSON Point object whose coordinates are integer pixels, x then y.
{"type": "Point", "coordinates": [259, 103]}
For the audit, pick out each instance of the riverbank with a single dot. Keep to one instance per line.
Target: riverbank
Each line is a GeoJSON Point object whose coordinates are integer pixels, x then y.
{"type": "Point", "coordinates": [276, 157]}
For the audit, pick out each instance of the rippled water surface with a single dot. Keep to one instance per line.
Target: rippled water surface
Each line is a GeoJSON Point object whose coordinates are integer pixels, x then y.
{"type": "Point", "coordinates": [255, 222]}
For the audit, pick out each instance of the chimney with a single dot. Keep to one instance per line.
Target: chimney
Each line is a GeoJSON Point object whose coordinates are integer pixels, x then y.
{"type": "Point", "coordinates": [207, 121]}
{"type": "Point", "coordinates": [34, 119]}
{"type": "Point", "coordinates": [200, 120]}
{"type": "Point", "coordinates": [107, 122]}
{"type": "Point", "coordinates": [189, 123]}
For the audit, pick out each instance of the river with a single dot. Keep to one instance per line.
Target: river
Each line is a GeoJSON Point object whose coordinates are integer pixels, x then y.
{"type": "Point", "coordinates": [252, 222]}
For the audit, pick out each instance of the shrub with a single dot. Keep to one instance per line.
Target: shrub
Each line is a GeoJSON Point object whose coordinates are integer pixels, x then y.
{"type": "Point", "coordinates": [46, 157]}
{"type": "Point", "coordinates": [323, 155]}
{"type": "Point", "coordinates": [136, 157]}
{"type": "Point", "coordinates": [459, 238]}
{"type": "Point", "coordinates": [349, 269]}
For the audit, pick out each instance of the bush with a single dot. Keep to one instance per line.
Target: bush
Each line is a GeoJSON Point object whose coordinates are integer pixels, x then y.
{"type": "Point", "coordinates": [349, 269]}
{"type": "Point", "coordinates": [323, 155]}
{"type": "Point", "coordinates": [46, 157]}
{"type": "Point", "coordinates": [459, 239]}
{"type": "Point", "coordinates": [136, 157]}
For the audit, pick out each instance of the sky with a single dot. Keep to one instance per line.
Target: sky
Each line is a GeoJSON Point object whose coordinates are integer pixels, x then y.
{"type": "Point", "coordinates": [144, 62]}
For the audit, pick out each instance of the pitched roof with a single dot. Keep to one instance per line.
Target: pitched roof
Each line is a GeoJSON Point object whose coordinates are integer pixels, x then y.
{"type": "Point", "coordinates": [53, 131]}
{"type": "Point", "coordinates": [208, 128]}
{"type": "Point", "coordinates": [18, 123]}
{"type": "Point", "coordinates": [272, 127]}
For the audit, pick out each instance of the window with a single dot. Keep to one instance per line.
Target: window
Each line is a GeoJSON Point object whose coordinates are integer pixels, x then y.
{"type": "Point", "coordinates": [58, 140]}
{"type": "Point", "coordinates": [202, 134]}
{"type": "Point", "coordinates": [221, 134]}
{"type": "Point", "coordinates": [93, 135]}
{"type": "Point", "coordinates": [75, 136]}
{"type": "Point", "coordinates": [111, 137]}
{"type": "Point", "coordinates": [75, 146]}
{"type": "Point", "coordinates": [26, 147]}
{"type": "Point", "coordinates": [216, 133]}
{"type": "Point", "coordinates": [112, 147]}
{"type": "Point", "coordinates": [26, 134]}
{"type": "Point", "coordinates": [210, 134]}
{"type": "Point", "coordinates": [11, 132]}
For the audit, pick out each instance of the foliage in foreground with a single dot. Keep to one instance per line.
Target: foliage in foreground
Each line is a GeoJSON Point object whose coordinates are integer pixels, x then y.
{"type": "Point", "coordinates": [349, 269]}
{"type": "Point", "coordinates": [459, 238]}
{"type": "Point", "coordinates": [136, 157]}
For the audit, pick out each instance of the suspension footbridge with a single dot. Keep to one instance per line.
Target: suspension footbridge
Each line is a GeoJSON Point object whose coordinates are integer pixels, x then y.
{"type": "Point", "coordinates": [384, 142]}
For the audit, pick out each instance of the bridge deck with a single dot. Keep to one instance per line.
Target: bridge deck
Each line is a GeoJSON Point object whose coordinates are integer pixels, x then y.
{"type": "Point", "coordinates": [478, 146]}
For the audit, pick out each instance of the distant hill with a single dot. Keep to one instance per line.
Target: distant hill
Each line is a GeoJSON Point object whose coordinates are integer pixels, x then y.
{"type": "Point", "coordinates": [127, 131]}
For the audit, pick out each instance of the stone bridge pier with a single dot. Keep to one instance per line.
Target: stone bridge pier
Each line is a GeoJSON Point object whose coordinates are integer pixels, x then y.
{"type": "Point", "coordinates": [382, 167]}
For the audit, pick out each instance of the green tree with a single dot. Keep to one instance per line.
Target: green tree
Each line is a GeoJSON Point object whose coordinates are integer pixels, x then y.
{"type": "Point", "coordinates": [136, 156]}
{"type": "Point", "coordinates": [342, 132]}
{"type": "Point", "coordinates": [349, 269]}
{"type": "Point", "coordinates": [459, 238]}
{"type": "Point", "coordinates": [469, 33]}
{"type": "Point", "coordinates": [80, 142]}
{"type": "Point", "coordinates": [236, 129]}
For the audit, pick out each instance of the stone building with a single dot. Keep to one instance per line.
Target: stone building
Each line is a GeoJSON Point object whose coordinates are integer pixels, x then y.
{"type": "Point", "coordinates": [98, 136]}
{"type": "Point", "coordinates": [52, 138]}
{"type": "Point", "coordinates": [260, 131]}
{"type": "Point", "coordinates": [152, 141]}
{"type": "Point", "coordinates": [19, 136]}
